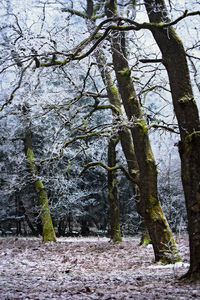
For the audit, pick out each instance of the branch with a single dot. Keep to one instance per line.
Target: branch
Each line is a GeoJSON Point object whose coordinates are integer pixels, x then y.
{"type": "Point", "coordinates": [160, 60]}
{"type": "Point", "coordinates": [135, 26]}
{"type": "Point", "coordinates": [85, 136]}
{"type": "Point", "coordinates": [185, 14]}
{"type": "Point", "coordinates": [98, 17]}
{"type": "Point", "coordinates": [16, 88]}
{"type": "Point", "coordinates": [109, 169]}
{"type": "Point", "coordinates": [113, 27]}
{"type": "Point", "coordinates": [82, 15]}
{"type": "Point", "coordinates": [164, 127]}
{"type": "Point", "coordinates": [97, 107]}
{"type": "Point", "coordinates": [146, 25]}
{"type": "Point", "coordinates": [51, 159]}
{"type": "Point", "coordinates": [75, 12]}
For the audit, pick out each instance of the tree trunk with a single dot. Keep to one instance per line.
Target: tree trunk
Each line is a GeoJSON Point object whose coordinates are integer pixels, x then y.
{"type": "Point", "coordinates": [124, 132]}
{"type": "Point", "coordinates": [115, 234]}
{"type": "Point", "coordinates": [145, 238]}
{"type": "Point", "coordinates": [149, 206]}
{"type": "Point", "coordinates": [85, 231]}
{"type": "Point", "coordinates": [48, 233]}
{"type": "Point", "coordinates": [174, 59]}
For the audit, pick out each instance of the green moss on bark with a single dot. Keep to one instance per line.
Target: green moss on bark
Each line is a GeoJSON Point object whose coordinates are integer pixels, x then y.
{"type": "Point", "coordinates": [48, 233]}
{"type": "Point", "coordinates": [111, 8]}
{"type": "Point", "coordinates": [126, 73]}
{"type": "Point", "coordinates": [113, 90]}
{"type": "Point", "coordinates": [190, 139]}
{"type": "Point", "coordinates": [142, 125]}
{"type": "Point", "coordinates": [145, 239]}
{"type": "Point", "coordinates": [171, 255]}
{"type": "Point", "coordinates": [155, 211]}
{"type": "Point", "coordinates": [30, 159]}
{"type": "Point", "coordinates": [117, 236]}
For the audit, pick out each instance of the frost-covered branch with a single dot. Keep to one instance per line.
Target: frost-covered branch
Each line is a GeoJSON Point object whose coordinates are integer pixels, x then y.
{"type": "Point", "coordinates": [85, 136]}
{"type": "Point", "coordinates": [16, 88]}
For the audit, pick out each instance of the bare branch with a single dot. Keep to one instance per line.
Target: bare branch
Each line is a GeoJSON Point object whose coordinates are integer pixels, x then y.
{"type": "Point", "coordinates": [151, 60]}
{"type": "Point", "coordinates": [85, 136]}
{"type": "Point", "coordinates": [185, 14]}
{"type": "Point", "coordinates": [165, 128]}
{"type": "Point", "coordinates": [16, 88]}
{"type": "Point", "coordinates": [75, 12]}
{"type": "Point", "coordinates": [109, 169]}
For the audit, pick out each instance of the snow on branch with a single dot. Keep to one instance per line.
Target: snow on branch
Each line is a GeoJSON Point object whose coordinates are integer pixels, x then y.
{"type": "Point", "coordinates": [16, 88]}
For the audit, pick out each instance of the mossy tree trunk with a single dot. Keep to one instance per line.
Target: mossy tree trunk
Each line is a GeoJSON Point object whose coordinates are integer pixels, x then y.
{"type": "Point", "coordinates": [174, 59]}
{"type": "Point", "coordinates": [48, 233]}
{"type": "Point", "coordinates": [149, 206]}
{"type": "Point", "coordinates": [145, 238]}
{"type": "Point", "coordinates": [124, 132]}
{"type": "Point", "coordinates": [115, 234]}
{"type": "Point", "coordinates": [126, 143]}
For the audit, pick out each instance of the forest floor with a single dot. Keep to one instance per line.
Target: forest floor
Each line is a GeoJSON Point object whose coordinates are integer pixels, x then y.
{"type": "Point", "coordinates": [90, 268]}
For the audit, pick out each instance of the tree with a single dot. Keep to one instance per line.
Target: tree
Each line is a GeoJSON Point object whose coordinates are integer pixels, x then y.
{"type": "Point", "coordinates": [185, 107]}
{"type": "Point", "coordinates": [113, 194]}
{"type": "Point", "coordinates": [48, 233]}
{"type": "Point", "coordinates": [162, 240]}
{"type": "Point", "coordinates": [149, 206]}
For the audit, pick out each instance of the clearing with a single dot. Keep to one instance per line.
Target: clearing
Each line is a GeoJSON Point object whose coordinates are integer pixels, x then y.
{"type": "Point", "coordinates": [90, 268]}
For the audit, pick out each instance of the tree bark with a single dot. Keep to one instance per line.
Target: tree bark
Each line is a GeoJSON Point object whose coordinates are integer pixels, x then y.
{"type": "Point", "coordinates": [48, 233]}
{"type": "Point", "coordinates": [115, 233]}
{"type": "Point", "coordinates": [174, 59]}
{"type": "Point", "coordinates": [124, 132]}
{"type": "Point", "coordinates": [149, 206]}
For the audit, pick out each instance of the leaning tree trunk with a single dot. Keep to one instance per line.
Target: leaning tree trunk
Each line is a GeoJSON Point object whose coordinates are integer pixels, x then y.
{"type": "Point", "coordinates": [115, 234]}
{"type": "Point", "coordinates": [174, 59]}
{"type": "Point", "coordinates": [123, 131]}
{"type": "Point", "coordinates": [48, 233]}
{"type": "Point", "coordinates": [150, 208]}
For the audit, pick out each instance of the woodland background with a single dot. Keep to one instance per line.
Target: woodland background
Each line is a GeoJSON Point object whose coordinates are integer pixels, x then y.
{"type": "Point", "coordinates": [99, 121]}
{"type": "Point", "coordinates": [45, 100]}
